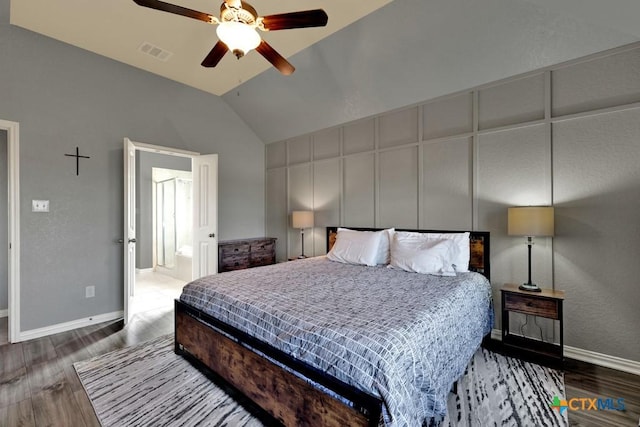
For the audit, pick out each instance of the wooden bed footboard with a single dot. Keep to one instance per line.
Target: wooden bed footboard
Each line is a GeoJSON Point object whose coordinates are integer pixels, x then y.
{"type": "Point", "coordinates": [290, 400]}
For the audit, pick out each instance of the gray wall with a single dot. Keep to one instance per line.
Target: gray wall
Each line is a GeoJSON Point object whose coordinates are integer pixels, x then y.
{"type": "Point", "coordinates": [145, 162]}
{"type": "Point", "coordinates": [65, 97]}
{"type": "Point", "coordinates": [410, 51]}
{"type": "Point", "coordinates": [566, 135]}
{"type": "Point", "coordinates": [4, 232]}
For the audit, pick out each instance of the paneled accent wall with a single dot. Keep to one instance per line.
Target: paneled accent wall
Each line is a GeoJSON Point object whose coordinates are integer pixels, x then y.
{"type": "Point", "coordinates": [567, 136]}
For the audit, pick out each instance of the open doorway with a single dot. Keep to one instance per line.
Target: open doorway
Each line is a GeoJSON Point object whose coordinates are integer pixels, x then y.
{"type": "Point", "coordinates": [204, 205]}
{"type": "Point", "coordinates": [173, 222]}
{"type": "Point", "coordinates": [164, 212]}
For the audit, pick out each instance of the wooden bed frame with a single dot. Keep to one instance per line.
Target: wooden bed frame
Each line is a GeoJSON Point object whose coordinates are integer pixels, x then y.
{"type": "Point", "coordinates": [267, 386]}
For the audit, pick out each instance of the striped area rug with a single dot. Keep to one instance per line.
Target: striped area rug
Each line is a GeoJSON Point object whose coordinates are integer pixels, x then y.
{"type": "Point", "coordinates": [503, 391]}
{"type": "Point", "coordinates": [148, 385]}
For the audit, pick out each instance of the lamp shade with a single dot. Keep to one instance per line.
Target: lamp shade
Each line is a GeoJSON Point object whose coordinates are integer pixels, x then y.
{"type": "Point", "coordinates": [530, 221]}
{"type": "Point", "coordinates": [302, 219]}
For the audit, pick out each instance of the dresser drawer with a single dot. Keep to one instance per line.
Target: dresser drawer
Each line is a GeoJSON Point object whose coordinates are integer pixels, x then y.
{"type": "Point", "coordinates": [234, 262]}
{"type": "Point", "coordinates": [532, 305]}
{"type": "Point", "coordinates": [265, 246]}
{"type": "Point", "coordinates": [231, 250]}
{"type": "Point", "coordinates": [259, 258]}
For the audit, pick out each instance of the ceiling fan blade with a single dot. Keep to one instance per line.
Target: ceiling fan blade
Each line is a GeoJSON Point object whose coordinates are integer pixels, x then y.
{"type": "Point", "coordinates": [303, 19]}
{"type": "Point", "coordinates": [172, 8]}
{"type": "Point", "coordinates": [215, 55]}
{"type": "Point", "coordinates": [275, 58]}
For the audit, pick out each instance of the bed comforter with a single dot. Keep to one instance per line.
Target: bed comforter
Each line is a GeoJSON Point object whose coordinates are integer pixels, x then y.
{"type": "Point", "coordinates": [403, 337]}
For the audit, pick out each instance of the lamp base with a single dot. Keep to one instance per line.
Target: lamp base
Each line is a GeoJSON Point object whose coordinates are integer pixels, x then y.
{"type": "Point", "coordinates": [531, 287]}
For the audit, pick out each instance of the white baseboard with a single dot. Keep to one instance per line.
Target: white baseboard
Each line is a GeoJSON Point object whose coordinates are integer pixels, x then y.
{"type": "Point", "coordinates": [4, 313]}
{"type": "Point", "coordinates": [608, 361]}
{"type": "Point", "coordinates": [68, 326]}
{"type": "Point", "coordinates": [600, 359]}
{"type": "Point", "coordinates": [144, 270]}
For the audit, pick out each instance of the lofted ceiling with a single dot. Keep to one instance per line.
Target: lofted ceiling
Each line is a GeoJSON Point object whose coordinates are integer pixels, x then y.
{"type": "Point", "coordinates": [118, 29]}
{"type": "Point", "coordinates": [411, 51]}
{"type": "Point", "coordinates": [373, 56]}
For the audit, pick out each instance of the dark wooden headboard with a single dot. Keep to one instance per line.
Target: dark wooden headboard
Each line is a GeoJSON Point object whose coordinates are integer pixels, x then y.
{"type": "Point", "coordinates": [480, 246]}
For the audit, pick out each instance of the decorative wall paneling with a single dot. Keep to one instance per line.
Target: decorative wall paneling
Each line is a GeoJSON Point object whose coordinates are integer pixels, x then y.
{"type": "Point", "coordinates": [300, 183]}
{"type": "Point", "coordinates": [277, 209]}
{"type": "Point", "coordinates": [566, 135]}
{"type": "Point", "coordinates": [597, 198]}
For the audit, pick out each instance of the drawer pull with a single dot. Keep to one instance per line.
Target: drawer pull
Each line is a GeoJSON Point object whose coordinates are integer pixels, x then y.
{"type": "Point", "coordinates": [529, 304]}
{"type": "Point", "coordinates": [236, 250]}
{"type": "Point", "coordinates": [237, 263]}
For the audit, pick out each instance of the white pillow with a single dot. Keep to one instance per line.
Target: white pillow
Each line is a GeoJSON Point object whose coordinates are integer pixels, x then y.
{"type": "Point", "coordinates": [356, 247]}
{"type": "Point", "coordinates": [417, 252]}
{"type": "Point", "coordinates": [384, 249]}
{"type": "Point", "coordinates": [463, 256]}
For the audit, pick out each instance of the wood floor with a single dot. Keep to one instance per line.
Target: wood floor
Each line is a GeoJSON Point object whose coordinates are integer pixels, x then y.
{"type": "Point", "coordinates": [39, 387]}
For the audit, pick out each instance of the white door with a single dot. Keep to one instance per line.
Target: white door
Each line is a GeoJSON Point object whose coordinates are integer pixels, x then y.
{"type": "Point", "coordinates": [129, 225]}
{"type": "Point", "coordinates": [205, 215]}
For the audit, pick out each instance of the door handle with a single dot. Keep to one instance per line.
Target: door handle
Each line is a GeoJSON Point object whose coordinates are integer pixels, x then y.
{"type": "Point", "coordinates": [212, 235]}
{"type": "Point", "coordinates": [130, 240]}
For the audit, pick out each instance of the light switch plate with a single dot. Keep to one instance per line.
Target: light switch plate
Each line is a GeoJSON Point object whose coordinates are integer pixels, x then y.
{"type": "Point", "coordinates": [39, 206]}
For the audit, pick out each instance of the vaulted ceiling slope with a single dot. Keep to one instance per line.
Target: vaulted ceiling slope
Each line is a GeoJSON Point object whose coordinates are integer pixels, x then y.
{"type": "Point", "coordinates": [411, 51]}
{"type": "Point", "coordinates": [374, 56]}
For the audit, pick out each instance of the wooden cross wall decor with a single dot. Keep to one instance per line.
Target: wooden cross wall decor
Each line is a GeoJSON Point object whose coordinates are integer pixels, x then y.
{"type": "Point", "coordinates": [78, 157]}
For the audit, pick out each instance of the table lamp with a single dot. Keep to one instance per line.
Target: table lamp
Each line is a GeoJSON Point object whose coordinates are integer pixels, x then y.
{"type": "Point", "coordinates": [302, 220]}
{"type": "Point", "coordinates": [530, 221]}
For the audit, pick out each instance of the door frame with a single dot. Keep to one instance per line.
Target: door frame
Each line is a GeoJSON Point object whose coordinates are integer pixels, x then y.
{"type": "Point", "coordinates": [13, 163]}
{"type": "Point", "coordinates": [141, 146]}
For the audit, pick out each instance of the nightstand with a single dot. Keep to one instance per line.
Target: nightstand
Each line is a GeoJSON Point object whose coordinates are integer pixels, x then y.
{"type": "Point", "coordinates": [547, 304]}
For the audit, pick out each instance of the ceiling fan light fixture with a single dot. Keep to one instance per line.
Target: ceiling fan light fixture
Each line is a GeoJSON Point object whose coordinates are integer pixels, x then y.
{"type": "Point", "coordinates": [240, 38]}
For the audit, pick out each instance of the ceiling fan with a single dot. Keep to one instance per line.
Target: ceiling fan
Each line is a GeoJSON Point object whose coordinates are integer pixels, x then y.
{"type": "Point", "coordinates": [237, 27]}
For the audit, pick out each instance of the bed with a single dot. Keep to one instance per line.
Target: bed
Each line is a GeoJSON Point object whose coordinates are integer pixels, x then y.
{"type": "Point", "coordinates": [318, 342]}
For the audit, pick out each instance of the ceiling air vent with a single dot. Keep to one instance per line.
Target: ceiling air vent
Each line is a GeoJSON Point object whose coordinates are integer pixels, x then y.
{"type": "Point", "coordinates": [155, 51]}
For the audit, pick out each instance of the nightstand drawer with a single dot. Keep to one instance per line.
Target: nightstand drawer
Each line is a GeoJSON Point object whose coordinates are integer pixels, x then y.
{"type": "Point", "coordinates": [532, 305]}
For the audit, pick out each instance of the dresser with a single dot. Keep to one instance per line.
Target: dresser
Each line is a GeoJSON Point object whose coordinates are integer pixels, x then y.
{"type": "Point", "coordinates": [246, 253]}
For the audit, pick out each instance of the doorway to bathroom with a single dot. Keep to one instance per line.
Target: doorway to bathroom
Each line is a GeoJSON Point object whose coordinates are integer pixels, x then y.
{"type": "Point", "coordinates": [172, 222]}
{"type": "Point", "coordinates": [164, 216]}
{"type": "Point", "coordinates": [140, 248]}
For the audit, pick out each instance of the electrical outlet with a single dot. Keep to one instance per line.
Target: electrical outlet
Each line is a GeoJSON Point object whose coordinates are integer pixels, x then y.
{"type": "Point", "coordinates": [39, 206]}
{"type": "Point", "coordinates": [90, 292]}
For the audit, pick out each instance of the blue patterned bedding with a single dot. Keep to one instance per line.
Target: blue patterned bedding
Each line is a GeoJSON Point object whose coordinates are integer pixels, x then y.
{"type": "Point", "coordinates": [403, 337]}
